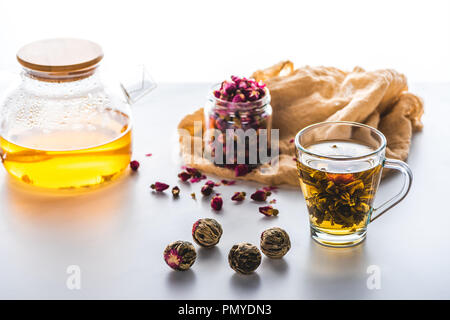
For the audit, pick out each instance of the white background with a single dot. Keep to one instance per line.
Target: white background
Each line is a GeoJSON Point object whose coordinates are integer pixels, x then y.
{"type": "Point", "coordinates": [209, 40]}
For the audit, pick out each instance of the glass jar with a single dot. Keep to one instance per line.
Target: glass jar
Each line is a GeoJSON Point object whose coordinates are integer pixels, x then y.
{"type": "Point", "coordinates": [238, 133]}
{"type": "Point", "coordinates": [61, 127]}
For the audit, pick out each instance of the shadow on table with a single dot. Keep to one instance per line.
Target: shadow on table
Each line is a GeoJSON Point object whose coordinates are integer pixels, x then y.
{"type": "Point", "coordinates": [278, 266]}
{"type": "Point", "coordinates": [245, 283]}
{"type": "Point", "coordinates": [336, 273]}
{"type": "Point", "coordinates": [181, 279]}
{"type": "Point", "coordinates": [95, 210]}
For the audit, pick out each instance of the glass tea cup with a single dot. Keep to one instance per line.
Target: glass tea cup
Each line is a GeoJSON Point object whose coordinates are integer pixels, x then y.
{"type": "Point", "coordinates": [339, 166]}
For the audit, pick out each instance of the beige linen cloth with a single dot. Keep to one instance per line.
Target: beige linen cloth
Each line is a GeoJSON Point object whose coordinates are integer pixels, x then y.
{"type": "Point", "coordinates": [307, 95]}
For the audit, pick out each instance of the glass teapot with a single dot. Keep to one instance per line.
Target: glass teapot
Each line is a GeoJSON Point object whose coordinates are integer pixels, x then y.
{"type": "Point", "coordinates": [61, 127]}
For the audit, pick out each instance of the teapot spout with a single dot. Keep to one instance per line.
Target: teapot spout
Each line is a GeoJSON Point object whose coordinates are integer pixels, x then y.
{"type": "Point", "coordinates": [136, 83]}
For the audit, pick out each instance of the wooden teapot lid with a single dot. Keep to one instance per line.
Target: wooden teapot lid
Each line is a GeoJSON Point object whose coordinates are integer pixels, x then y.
{"type": "Point", "coordinates": [60, 55]}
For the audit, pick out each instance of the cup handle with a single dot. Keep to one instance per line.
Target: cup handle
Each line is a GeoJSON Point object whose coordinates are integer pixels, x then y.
{"type": "Point", "coordinates": [407, 181]}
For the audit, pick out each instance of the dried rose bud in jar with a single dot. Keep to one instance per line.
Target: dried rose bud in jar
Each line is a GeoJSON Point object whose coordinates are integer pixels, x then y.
{"type": "Point", "coordinates": [244, 258]}
{"type": "Point", "coordinates": [180, 255]}
{"type": "Point", "coordinates": [238, 117]}
{"type": "Point", "coordinates": [275, 243]}
{"type": "Point", "coordinates": [206, 232]}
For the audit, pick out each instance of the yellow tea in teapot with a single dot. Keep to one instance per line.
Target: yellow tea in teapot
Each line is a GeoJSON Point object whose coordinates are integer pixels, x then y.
{"type": "Point", "coordinates": [339, 195]}
{"type": "Point", "coordinates": [70, 158]}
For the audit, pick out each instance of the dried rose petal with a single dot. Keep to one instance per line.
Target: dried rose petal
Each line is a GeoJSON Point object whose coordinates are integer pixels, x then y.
{"type": "Point", "coordinates": [291, 141]}
{"type": "Point", "coordinates": [134, 165]}
{"type": "Point", "coordinates": [206, 190]}
{"type": "Point", "coordinates": [241, 170]}
{"type": "Point", "coordinates": [228, 182]}
{"type": "Point", "coordinates": [193, 195]}
{"type": "Point", "coordinates": [268, 211]}
{"type": "Point", "coordinates": [184, 176]}
{"type": "Point", "coordinates": [273, 201]}
{"type": "Point", "coordinates": [148, 154]}
{"type": "Point", "coordinates": [159, 186]}
{"type": "Point", "coordinates": [175, 191]}
{"type": "Point", "coordinates": [238, 196]}
{"type": "Point", "coordinates": [260, 195]}
{"type": "Point", "coordinates": [217, 94]}
{"type": "Point", "coordinates": [261, 84]}
{"type": "Point", "coordinates": [216, 202]}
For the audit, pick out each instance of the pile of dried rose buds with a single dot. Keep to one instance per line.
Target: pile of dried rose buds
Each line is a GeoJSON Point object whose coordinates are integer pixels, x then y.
{"type": "Point", "coordinates": [239, 103]}
{"type": "Point", "coordinates": [240, 90]}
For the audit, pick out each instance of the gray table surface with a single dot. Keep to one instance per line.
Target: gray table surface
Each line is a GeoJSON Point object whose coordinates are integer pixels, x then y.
{"type": "Point", "coordinates": [116, 235]}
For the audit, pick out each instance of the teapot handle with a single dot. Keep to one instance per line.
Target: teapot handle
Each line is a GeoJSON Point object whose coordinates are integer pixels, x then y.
{"type": "Point", "coordinates": [136, 83]}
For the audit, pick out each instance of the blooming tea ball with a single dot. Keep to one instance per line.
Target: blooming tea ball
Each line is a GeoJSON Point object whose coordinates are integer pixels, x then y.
{"type": "Point", "coordinates": [275, 243]}
{"type": "Point", "coordinates": [206, 232]}
{"type": "Point", "coordinates": [244, 258]}
{"type": "Point", "coordinates": [180, 255]}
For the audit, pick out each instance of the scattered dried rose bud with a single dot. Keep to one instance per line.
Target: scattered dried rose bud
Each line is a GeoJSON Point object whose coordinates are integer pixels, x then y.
{"type": "Point", "coordinates": [291, 141]}
{"type": "Point", "coordinates": [206, 190]}
{"type": "Point", "coordinates": [206, 232]}
{"type": "Point", "coordinates": [197, 179]}
{"type": "Point", "coordinates": [193, 195]}
{"type": "Point", "coordinates": [216, 202]}
{"type": "Point", "coordinates": [228, 182]}
{"type": "Point", "coordinates": [241, 170]}
{"type": "Point", "coordinates": [212, 184]}
{"type": "Point", "coordinates": [275, 243]}
{"type": "Point", "coordinates": [268, 211]}
{"type": "Point", "coordinates": [159, 186]}
{"type": "Point", "coordinates": [134, 165]}
{"type": "Point", "coordinates": [244, 258]}
{"type": "Point", "coordinates": [175, 191]}
{"type": "Point", "coordinates": [238, 196]}
{"type": "Point", "coordinates": [180, 255]}
{"type": "Point", "coordinates": [260, 195]}
{"type": "Point", "coordinates": [193, 172]}
{"type": "Point", "coordinates": [184, 176]}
